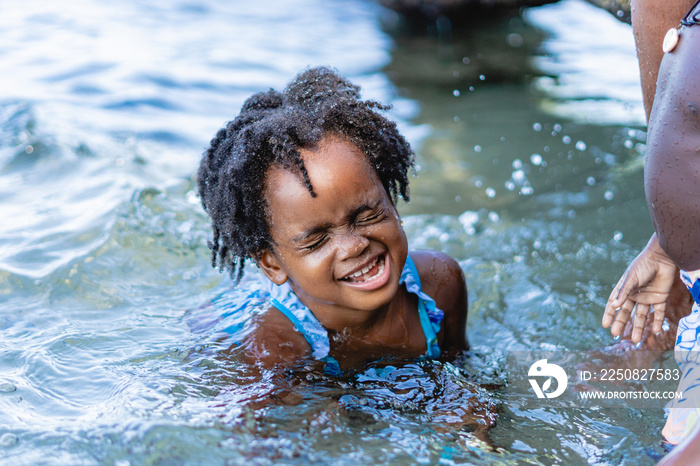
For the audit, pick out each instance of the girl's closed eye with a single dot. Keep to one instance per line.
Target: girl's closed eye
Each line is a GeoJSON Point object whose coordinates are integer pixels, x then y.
{"type": "Point", "coordinates": [371, 217]}
{"type": "Point", "coordinates": [315, 242]}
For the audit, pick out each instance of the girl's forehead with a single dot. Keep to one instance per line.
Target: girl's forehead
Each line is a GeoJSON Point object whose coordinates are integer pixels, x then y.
{"type": "Point", "coordinates": [342, 181]}
{"type": "Point", "coordinates": [331, 158]}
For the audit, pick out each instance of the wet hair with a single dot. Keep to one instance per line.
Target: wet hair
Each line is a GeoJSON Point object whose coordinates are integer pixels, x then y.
{"type": "Point", "coordinates": [269, 131]}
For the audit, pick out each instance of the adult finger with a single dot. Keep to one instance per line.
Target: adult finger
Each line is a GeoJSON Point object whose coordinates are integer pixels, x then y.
{"type": "Point", "coordinates": [622, 317]}
{"type": "Point", "coordinates": [628, 282]}
{"type": "Point", "coordinates": [640, 318]}
{"type": "Point", "coordinates": [611, 307]}
{"type": "Point", "coordinates": [659, 315]}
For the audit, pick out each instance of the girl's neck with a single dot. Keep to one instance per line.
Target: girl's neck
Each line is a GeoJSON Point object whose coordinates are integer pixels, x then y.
{"type": "Point", "coordinates": [387, 325]}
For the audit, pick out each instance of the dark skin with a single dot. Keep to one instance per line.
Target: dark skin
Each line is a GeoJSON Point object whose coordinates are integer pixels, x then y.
{"type": "Point", "coordinates": [650, 21]}
{"type": "Point", "coordinates": [672, 172]}
{"type": "Point", "coordinates": [651, 280]}
{"type": "Point", "coordinates": [671, 184]}
{"type": "Point", "coordinates": [322, 240]}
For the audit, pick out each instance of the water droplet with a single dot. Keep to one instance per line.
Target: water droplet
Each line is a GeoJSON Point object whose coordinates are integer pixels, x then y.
{"type": "Point", "coordinates": [536, 159]}
{"type": "Point", "coordinates": [517, 164]}
{"type": "Point", "coordinates": [608, 195]}
{"type": "Point", "coordinates": [477, 148]}
{"type": "Point", "coordinates": [518, 176]}
{"type": "Point", "coordinates": [629, 144]}
{"type": "Point", "coordinates": [580, 145]}
{"type": "Point", "coordinates": [510, 186]}
{"type": "Point", "coordinates": [557, 128]}
{"type": "Point", "coordinates": [617, 236]}
{"type": "Point", "coordinates": [571, 214]}
{"type": "Point", "coordinates": [526, 190]}
{"type": "Point", "coordinates": [455, 93]}
{"type": "Point", "coordinates": [493, 216]}
{"type": "Point", "coordinates": [566, 140]}
{"type": "Point", "coordinates": [468, 221]}
{"type": "Point", "coordinates": [192, 197]}
{"type": "Point", "coordinates": [514, 40]}
{"type": "Point", "coordinates": [466, 60]}
{"type": "Point", "coordinates": [482, 77]}
{"type": "Point", "coordinates": [456, 119]}
{"type": "Point", "coordinates": [29, 149]}
{"type": "Point", "coordinates": [471, 88]}
{"type": "Point", "coordinates": [490, 192]}
{"type": "Point", "coordinates": [537, 127]}
{"type": "Point", "coordinates": [590, 181]}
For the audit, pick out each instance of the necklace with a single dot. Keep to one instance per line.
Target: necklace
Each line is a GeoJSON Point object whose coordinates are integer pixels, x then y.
{"type": "Point", "coordinates": [673, 35]}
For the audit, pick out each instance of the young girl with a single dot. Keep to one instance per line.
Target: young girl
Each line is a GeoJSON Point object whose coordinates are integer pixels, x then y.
{"type": "Point", "coordinates": [304, 183]}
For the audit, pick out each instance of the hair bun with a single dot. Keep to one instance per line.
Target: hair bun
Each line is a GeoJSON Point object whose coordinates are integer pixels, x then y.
{"type": "Point", "coordinates": [319, 84]}
{"type": "Point", "coordinates": [263, 101]}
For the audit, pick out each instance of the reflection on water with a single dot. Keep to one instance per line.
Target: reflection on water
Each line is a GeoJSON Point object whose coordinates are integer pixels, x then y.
{"type": "Point", "coordinates": [528, 137]}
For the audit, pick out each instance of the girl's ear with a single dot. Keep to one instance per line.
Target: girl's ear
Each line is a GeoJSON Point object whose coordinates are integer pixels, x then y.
{"type": "Point", "coordinates": [272, 268]}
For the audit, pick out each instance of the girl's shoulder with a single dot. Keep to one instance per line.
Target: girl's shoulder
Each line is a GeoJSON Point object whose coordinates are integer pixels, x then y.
{"type": "Point", "coordinates": [439, 273]}
{"type": "Point", "coordinates": [443, 280]}
{"type": "Point", "coordinates": [274, 341]}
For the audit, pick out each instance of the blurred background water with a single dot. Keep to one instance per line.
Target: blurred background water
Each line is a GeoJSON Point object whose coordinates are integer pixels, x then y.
{"type": "Point", "coordinates": [528, 128]}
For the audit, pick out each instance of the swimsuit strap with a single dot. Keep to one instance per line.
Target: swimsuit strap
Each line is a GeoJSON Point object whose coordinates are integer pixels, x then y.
{"type": "Point", "coordinates": [430, 316]}
{"type": "Point", "coordinates": [305, 323]}
{"type": "Point", "coordinates": [286, 301]}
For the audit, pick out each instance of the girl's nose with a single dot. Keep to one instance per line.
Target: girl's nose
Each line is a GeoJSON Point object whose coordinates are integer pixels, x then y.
{"type": "Point", "coordinates": [353, 245]}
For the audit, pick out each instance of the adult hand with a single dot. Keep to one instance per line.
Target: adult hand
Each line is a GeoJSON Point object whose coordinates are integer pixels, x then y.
{"type": "Point", "coordinates": [646, 284]}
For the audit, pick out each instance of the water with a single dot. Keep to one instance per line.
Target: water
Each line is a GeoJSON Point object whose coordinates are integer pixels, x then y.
{"type": "Point", "coordinates": [529, 136]}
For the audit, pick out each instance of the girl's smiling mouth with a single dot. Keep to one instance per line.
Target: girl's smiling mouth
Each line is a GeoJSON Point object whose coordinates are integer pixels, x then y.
{"type": "Point", "coordinates": [371, 276]}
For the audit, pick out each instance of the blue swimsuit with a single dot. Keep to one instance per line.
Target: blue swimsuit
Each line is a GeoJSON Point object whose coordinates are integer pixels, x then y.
{"type": "Point", "coordinates": [283, 298]}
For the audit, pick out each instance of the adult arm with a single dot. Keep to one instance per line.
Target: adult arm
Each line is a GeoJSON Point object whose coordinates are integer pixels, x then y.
{"type": "Point", "coordinates": [650, 21]}
{"type": "Point", "coordinates": [672, 167]}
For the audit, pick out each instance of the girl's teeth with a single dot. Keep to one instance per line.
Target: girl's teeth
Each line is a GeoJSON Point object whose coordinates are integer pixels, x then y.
{"type": "Point", "coordinates": [364, 270]}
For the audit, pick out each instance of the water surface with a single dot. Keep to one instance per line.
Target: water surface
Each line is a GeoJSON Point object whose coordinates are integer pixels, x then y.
{"type": "Point", "coordinates": [529, 137]}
